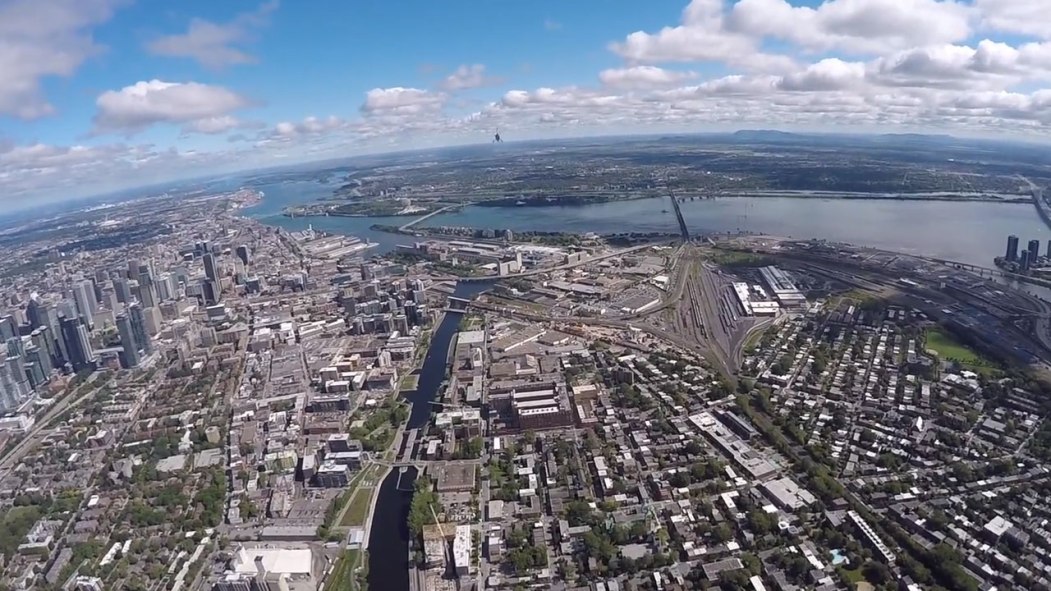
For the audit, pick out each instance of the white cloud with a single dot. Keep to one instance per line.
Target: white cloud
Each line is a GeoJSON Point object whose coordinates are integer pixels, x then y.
{"type": "Point", "coordinates": [215, 45]}
{"type": "Point", "coordinates": [466, 77]}
{"type": "Point", "coordinates": [859, 26]}
{"type": "Point", "coordinates": [40, 40]}
{"type": "Point", "coordinates": [702, 37]}
{"type": "Point", "coordinates": [643, 77]}
{"type": "Point", "coordinates": [198, 107]}
{"type": "Point", "coordinates": [1028, 17]}
{"type": "Point", "coordinates": [399, 100]}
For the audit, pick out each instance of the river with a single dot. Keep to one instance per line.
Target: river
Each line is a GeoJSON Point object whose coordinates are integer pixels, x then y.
{"type": "Point", "coordinates": [969, 232]}
{"type": "Point", "coordinates": [389, 537]}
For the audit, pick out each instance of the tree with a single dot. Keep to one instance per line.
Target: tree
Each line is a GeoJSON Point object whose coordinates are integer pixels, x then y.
{"type": "Point", "coordinates": [876, 572]}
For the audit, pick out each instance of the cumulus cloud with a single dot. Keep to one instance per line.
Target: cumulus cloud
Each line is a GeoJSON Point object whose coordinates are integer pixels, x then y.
{"type": "Point", "coordinates": [40, 40]}
{"type": "Point", "coordinates": [643, 77]}
{"type": "Point", "coordinates": [466, 77]}
{"type": "Point", "coordinates": [399, 100]}
{"type": "Point", "coordinates": [198, 107]}
{"type": "Point", "coordinates": [1027, 17]}
{"type": "Point", "coordinates": [215, 45]}
{"type": "Point", "coordinates": [702, 37]}
{"type": "Point", "coordinates": [857, 26]}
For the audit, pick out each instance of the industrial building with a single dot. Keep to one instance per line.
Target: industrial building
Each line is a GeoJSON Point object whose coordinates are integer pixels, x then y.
{"type": "Point", "coordinates": [783, 287]}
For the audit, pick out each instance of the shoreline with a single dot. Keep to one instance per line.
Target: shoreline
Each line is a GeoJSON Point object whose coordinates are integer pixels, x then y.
{"type": "Point", "coordinates": [773, 194]}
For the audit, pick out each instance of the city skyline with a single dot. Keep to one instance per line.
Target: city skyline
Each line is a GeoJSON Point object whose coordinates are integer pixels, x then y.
{"type": "Point", "coordinates": [106, 95]}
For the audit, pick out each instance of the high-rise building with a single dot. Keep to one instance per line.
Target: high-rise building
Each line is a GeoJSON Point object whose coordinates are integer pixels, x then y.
{"type": "Point", "coordinates": [242, 253]}
{"type": "Point", "coordinates": [84, 296]}
{"type": "Point", "coordinates": [212, 293]}
{"type": "Point", "coordinates": [78, 345]}
{"type": "Point", "coordinates": [123, 289]}
{"type": "Point", "coordinates": [165, 287]}
{"type": "Point", "coordinates": [1034, 251]}
{"type": "Point", "coordinates": [1049, 249]}
{"type": "Point", "coordinates": [1012, 248]}
{"type": "Point", "coordinates": [127, 341]}
{"type": "Point", "coordinates": [211, 271]}
{"type": "Point", "coordinates": [14, 388]}
{"type": "Point", "coordinates": [16, 366]}
{"type": "Point", "coordinates": [33, 313]}
{"type": "Point", "coordinates": [8, 327]}
{"type": "Point", "coordinates": [15, 346]}
{"type": "Point", "coordinates": [40, 356]}
{"type": "Point", "coordinates": [1023, 260]}
{"type": "Point", "coordinates": [138, 327]}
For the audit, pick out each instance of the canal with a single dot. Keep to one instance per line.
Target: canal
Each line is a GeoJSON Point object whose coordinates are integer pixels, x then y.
{"type": "Point", "coordinates": [389, 537]}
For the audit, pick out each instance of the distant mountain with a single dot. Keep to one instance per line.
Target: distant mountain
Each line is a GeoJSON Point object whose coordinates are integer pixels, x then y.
{"type": "Point", "coordinates": [766, 135]}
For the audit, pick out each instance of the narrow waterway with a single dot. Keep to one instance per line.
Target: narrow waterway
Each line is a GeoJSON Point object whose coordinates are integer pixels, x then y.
{"type": "Point", "coordinates": [389, 537]}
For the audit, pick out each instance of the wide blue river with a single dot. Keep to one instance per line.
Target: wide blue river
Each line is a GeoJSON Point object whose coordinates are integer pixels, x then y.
{"type": "Point", "coordinates": [970, 232]}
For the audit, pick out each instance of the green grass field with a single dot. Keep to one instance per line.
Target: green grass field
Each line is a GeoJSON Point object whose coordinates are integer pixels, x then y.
{"type": "Point", "coordinates": [359, 508]}
{"type": "Point", "coordinates": [951, 349]}
{"type": "Point", "coordinates": [342, 576]}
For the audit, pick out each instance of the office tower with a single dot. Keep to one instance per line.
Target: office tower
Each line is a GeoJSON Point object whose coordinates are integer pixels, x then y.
{"type": "Point", "coordinates": [85, 307]}
{"type": "Point", "coordinates": [78, 346]}
{"type": "Point", "coordinates": [53, 334]}
{"type": "Point", "coordinates": [211, 291]}
{"type": "Point", "coordinates": [242, 253]}
{"type": "Point", "coordinates": [16, 366]}
{"type": "Point", "coordinates": [15, 346]}
{"type": "Point", "coordinates": [1023, 260]}
{"type": "Point", "coordinates": [127, 340]}
{"type": "Point", "coordinates": [34, 370]}
{"type": "Point", "coordinates": [101, 277]}
{"type": "Point", "coordinates": [138, 329]}
{"type": "Point", "coordinates": [40, 355]}
{"type": "Point", "coordinates": [1034, 251]}
{"type": "Point", "coordinates": [13, 389]}
{"type": "Point", "coordinates": [133, 268]}
{"type": "Point", "coordinates": [8, 327]}
{"type": "Point", "coordinates": [1012, 248]}
{"type": "Point", "coordinates": [1049, 249]}
{"type": "Point", "coordinates": [165, 287]}
{"type": "Point", "coordinates": [147, 290]}
{"type": "Point", "coordinates": [210, 269]}
{"type": "Point", "coordinates": [109, 299]}
{"type": "Point", "coordinates": [123, 290]}
{"type": "Point", "coordinates": [96, 292]}
{"type": "Point", "coordinates": [33, 313]}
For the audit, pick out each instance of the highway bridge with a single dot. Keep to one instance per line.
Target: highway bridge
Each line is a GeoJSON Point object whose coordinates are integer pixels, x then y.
{"type": "Point", "coordinates": [682, 221]}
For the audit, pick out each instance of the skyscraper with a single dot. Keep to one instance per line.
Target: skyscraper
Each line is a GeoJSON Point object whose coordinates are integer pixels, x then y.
{"type": "Point", "coordinates": [15, 346]}
{"type": "Point", "coordinates": [84, 296]}
{"type": "Point", "coordinates": [1023, 260]}
{"type": "Point", "coordinates": [1034, 251]}
{"type": "Point", "coordinates": [33, 313]}
{"type": "Point", "coordinates": [212, 293]}
{"type": "Point", "coordinates": [78, 346]}
{"type": "Point", "coordinates": [8, 327]}
{"type": "Point", "coordinates": [1012, 248]}
{"type": "Point", "coordinates": [13, 389]}
{"type": "Point", "coordinates": [127, 341]}
{"type": "Point", "coordinates": [138, 329]}
{"type": "Point", "coordinates": [210, 269]}
{"type": "Point", "coordinates": [123, 289]}
{"type": "Point", "coordinates": [242, 253]}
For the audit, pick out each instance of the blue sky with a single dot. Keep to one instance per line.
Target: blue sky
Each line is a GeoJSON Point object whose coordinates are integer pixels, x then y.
{"type": "Point", "coordinates": [106, 94]}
